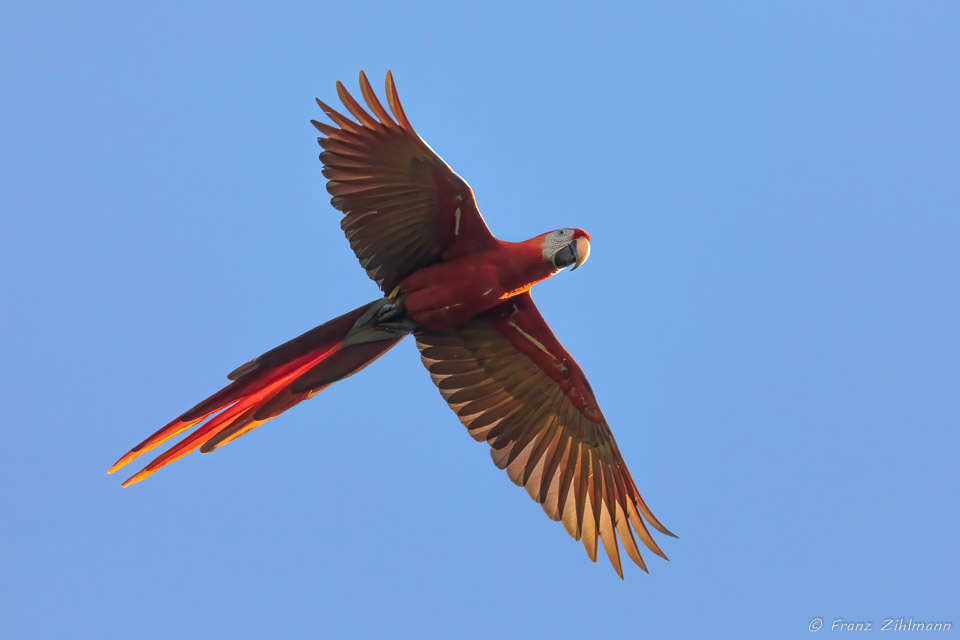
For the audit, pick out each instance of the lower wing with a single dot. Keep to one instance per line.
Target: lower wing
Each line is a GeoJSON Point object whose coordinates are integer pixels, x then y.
{"type": "Point", "coordinates": [513, 385]}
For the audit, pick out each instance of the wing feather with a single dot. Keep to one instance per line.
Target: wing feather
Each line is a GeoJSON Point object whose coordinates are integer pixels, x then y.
{"type": "Point", "coordinates": [353, 107]}
{"type": "Point", "coordinates": [513, 386]}
{"type": "Point", "coordinates": [371, 98]}
{"type": "Point", "coordinates": [399, 198]}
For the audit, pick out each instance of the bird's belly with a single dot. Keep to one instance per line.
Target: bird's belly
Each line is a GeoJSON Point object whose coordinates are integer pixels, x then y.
{"type": "Point", "coordinates": [450, 300]}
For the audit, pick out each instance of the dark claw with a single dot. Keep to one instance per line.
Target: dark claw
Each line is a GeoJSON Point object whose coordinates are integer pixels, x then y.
{"type": "Point", "coordinates": [390, 311]}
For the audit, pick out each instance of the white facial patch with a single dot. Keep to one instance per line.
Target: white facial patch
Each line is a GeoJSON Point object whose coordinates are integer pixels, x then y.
{"type": "Point", "coordinates": [555, 241]}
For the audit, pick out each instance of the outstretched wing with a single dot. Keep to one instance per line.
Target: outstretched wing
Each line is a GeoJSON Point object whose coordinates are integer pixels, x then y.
{"type": "Point", "coordinates": [513, 385]}
{"type": "Point", "coordinates": [405, 208]}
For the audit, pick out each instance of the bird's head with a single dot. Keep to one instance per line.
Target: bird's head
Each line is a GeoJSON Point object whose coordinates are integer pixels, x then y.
{"type": "Point", "coordinates": [565, 247]}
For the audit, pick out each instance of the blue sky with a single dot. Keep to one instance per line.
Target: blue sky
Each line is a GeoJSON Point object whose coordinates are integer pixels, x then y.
{"type": "Point", "coordinates": [768, 318]}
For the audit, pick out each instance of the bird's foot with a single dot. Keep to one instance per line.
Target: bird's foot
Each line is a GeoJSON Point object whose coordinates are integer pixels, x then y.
{"type": "Point", "coordinates": [390, 310]}
{"type": "Point", "coordinates": [383, 320]}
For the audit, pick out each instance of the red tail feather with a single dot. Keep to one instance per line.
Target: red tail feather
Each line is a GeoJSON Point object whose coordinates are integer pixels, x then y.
{"type": "Point", "coordinates": [267, 386]}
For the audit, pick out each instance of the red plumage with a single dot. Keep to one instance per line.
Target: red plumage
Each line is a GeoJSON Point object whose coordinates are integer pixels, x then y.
{"type": "Point", "coordinates": [415, 227]}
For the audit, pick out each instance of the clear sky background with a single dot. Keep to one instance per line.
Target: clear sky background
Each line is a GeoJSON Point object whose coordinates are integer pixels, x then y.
{"type": "Point", "coordinates": [769, 317]}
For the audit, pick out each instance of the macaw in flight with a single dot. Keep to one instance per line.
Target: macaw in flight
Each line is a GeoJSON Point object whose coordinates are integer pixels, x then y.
{"type": "Point", "coordinates": [465, 296]}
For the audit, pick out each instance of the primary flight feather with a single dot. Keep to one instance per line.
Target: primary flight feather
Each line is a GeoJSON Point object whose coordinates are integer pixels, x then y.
{"type": "Point", "coordinates": [464, 294]}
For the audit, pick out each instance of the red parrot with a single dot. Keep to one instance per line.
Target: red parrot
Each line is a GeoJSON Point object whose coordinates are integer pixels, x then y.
{"type": "Point", "coordinates": [464, 295]}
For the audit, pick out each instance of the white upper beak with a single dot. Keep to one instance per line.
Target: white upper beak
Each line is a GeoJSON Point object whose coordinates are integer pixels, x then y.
{"type": "Point", "coordinates": [581, 249]}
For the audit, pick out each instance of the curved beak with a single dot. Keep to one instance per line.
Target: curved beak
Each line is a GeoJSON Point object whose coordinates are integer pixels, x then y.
{"type": "Point", "coordinates": [581, 251]}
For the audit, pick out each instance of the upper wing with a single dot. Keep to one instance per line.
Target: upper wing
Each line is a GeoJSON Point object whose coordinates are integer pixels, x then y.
{"type": "Point", "coordinates": [405, 208]}
{"type": "Point", "coordinates": [513, 385]}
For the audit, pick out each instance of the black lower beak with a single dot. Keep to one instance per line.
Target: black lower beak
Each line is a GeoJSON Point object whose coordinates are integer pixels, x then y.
{"type": "Point", "coordinates": [566, 257]}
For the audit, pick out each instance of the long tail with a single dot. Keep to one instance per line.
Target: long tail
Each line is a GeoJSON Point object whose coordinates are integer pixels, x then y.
{"type": "Point", "coordinates": [268, 385]}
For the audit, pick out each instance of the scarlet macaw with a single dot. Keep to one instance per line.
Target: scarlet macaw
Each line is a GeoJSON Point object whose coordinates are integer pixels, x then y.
{"type": "Point", "coordinates": [414, 225]}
